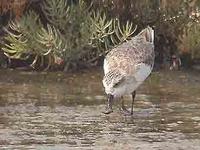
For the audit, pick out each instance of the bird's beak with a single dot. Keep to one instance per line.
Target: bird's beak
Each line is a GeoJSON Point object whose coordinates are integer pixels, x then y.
{"type": "Point", "coordinates": [109, 105]}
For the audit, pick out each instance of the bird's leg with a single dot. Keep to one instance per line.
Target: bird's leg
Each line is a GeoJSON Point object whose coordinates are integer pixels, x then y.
{"type": "Point", "coordinates": [133, 98]}
{"type": "Point", "coordinates": [123, 108]}
{"type": "Point", "coordinates": [109, 105]}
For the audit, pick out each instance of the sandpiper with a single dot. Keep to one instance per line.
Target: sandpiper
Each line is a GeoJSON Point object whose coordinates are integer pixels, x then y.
{"type": "Point", "coordinates": [127, 66]}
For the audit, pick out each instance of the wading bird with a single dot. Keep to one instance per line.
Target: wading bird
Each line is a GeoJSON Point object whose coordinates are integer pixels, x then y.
{"type": "Point", "coordinates": [127, 66]}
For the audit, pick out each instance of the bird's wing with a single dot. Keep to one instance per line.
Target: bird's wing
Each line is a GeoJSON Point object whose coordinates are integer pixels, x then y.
{"type": "Point", "coordinates": [113, 78]}
{"type": "Point", "coordinates": [142, 72]}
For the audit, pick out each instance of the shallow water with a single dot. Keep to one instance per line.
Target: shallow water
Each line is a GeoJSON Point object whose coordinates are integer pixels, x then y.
{"type": "Point", "coordinates": [63, 111]}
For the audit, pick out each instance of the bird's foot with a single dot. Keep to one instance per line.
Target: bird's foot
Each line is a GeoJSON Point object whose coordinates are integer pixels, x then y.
{"type": "Point", "coordinates": [126, 112]}
{"type": "Point", "coordinates": [108, 111]}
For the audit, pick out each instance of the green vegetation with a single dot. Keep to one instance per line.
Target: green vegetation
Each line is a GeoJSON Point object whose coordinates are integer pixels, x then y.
{"type": "Point", "coordinates": [28, 37]}
{"type": "Point", "coordinates": [75, 33]}
{"type": "Point", "coordinates": [193, 39]}
{"type": "Point", "coordinates": [72, 33]}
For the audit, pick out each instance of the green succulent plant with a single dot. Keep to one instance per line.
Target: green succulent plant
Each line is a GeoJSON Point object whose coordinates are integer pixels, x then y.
{"type": "Point", "coordinates": [108, 33]}
{"type": "Point", "coordinates": [73, 32]}
{"type": "Point", "coordinates": [28, 37]}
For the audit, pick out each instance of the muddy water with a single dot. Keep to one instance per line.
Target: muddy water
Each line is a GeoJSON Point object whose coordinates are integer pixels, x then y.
{"type": "Point", "coordinates": [63, 111]}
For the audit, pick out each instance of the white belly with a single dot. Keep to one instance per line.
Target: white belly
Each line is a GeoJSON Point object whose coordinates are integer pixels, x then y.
{"type": "Point", "coordinates": [132, 82]}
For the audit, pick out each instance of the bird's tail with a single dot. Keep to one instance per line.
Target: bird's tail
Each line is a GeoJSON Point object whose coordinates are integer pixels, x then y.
{"type": "Point", "coordinates": [148, 34]}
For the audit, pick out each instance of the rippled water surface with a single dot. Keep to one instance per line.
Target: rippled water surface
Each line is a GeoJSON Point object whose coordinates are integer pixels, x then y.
{"type": "Point", "coordinates": [63, 111]}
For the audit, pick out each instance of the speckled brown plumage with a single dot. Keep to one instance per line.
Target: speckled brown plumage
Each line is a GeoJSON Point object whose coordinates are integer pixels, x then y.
{"type": "Point", "coordinates": [127, 66]}
{"type": "Point", "coordinates": [123, 63]}
{"type": "Point", "coordinates": [127, 55]}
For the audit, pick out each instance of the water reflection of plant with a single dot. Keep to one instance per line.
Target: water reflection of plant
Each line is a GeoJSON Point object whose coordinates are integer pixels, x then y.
{"type": "Point", "coordinates": [73, 32]}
